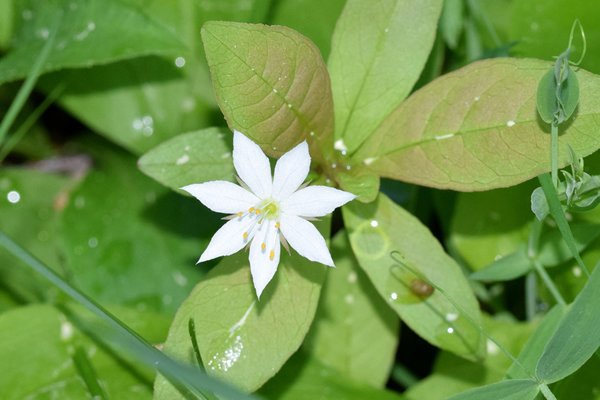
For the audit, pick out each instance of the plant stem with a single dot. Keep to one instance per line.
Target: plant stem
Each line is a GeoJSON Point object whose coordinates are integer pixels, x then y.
{"type": "Point", "coordinates": [88, 374]}
{"type": "Point", "coordinates": [547, 392]}
{"type": "Point", "coordinates": [530, 296]}
{"type": "Point", "coordinates": [549, 283]}
{"type": "Point", "coordinates": [554, 153]}
{"type": "Point", "coordinates": [403, 376]}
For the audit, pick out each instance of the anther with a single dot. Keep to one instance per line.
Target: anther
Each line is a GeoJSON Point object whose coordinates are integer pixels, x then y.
{"type": "Point", "coordinates": [272, 255]}
{"type": "Point", "coordinates": [263, 246]}
{"type": "Point", "coordinates": [245, 235]}
{"type": "Point", "coordinates": [277, 225]}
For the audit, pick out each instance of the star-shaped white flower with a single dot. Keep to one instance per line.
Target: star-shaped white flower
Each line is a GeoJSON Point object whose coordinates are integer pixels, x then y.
{"type": "Point", "coordinates": [269, 211]}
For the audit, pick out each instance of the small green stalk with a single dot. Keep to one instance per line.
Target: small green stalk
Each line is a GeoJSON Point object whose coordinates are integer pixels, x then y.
{"type": "Point", "coordinates": [548, 282]}
{"type": "Point", "coordinates": [547, 392]}
{"type": "Point", "coordinates": [554, 153]}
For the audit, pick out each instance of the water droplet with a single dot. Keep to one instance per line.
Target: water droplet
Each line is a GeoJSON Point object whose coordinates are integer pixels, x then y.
{"type": "Point", "coordinates": [66, 331]}
{"type": "Point", "coordinates": [492, 348]}
{"type": "Point", "coordinates": [352, 277]}
{"type": "Point", "coordinates": [349, 299]}
{"type": "Point", "coordinates": [374, 223]}
{"type": "Point", "coordinates": [91, 26]}
{"type": "Point", "coordinates": [348, 167]}
{"type": "Point", "coordinates": [369, 161]}
{"type": "Point", "coordinates": [311, 133]}
{"type": "Point", "coordinates": [334, 165]}
{"type": "Point", "coordinates": [394, 296]}
{"type": "Point", "coordinates": [339, 145]}
{"type": "Point", "coordinates": [576, 272]}
{"type": "Point", "coordinates": [13, 197]}
{"type": "Point", "coordinates": [450, 317]}
{"type": "Point", "coordinates": [44, 33]}
{"type": "Point", "coordinates": [289, 105]}
{"type": "Point", "coordinates": [27, 15]}
{"type": "Point", "coordinates": [225, 360]}
{"type": "Point", "coordinates": [476, 98]}
{"type": "Point", "coordinates": [386, 30]}
{"type": "Point", "coordinates": [510, 123]}
{"type": "Point", "coordinates": [183, 160]}
{"type": "Point", "coordinates": [93, 242]}
{"type": "Point", "coordinates": [459, 334]}
{"type": "Point", "coordinates": [370, 241]}
{"type": "Point", "coordinates": [179, 278]}
{"type": "Point", "coordinates": [274, 90]}
{"type": "Point", "coordinates": [180, 62]}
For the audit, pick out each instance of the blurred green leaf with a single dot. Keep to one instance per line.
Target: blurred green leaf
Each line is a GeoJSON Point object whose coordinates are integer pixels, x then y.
{"type": "Point", "coordinates": [522, 389]}
{"type": "Point", "coordinates": [317, 26]}
{"type": "Point", "coordinates": [127, 240]}
{"type": "Point", "coordinates": [360, 182]}
{"type": "Point", "coordinates": [553, 249]}
{"type": "Point", "coordinates": [452, 22]}
{"type": "Point", "coordinates": [488, 225]}
{"type": "Point", "coordinates": [304, 378]}
{"type": "Point", "coordinates": [378, 52]}
{"type": "Point", "coordinates": [355, 332]}
{"type": "Point", "coordinates": [192, 157]}
{"type": "Point", "coordinates": [271, 84]}
{"type": "Point", "coordinates": [505, 268]}
{"type": "Point", "coordinates": [90, 32]}
{"type": "Point", "coordinates": [449, 320]}
{"type": "Point", "coordinates": [243, 340]}
{"type": "Point", "coordinates": [30, 203]}
{"type": "Point", "coordinates": [539, 204]}
{"type": "Point", "coordinates": [477, 129]}
{"type": "Point", "coordinates": [577, 337]}
{"type": "Point", "coordinates": [36, 345]}
{"type": "Point", "coordinates": [6, 22]}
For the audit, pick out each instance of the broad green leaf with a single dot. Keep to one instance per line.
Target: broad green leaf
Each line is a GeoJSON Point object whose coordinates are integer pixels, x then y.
{"type": "Point", "coordinates": [489, 225]}
{"type": "Point", "coordinates": [541, 29]}
{"type": "Point", "coordinates": [127, 240]}
{"type": "Point", "coordinates": [522, 389]}
{"type": "Point", "coordinates": [243, 340]}
{"type": "Point", "coordinates": [193, 157]}
{"type": "Point", "coordinates": [304, 378]}
{"type": "Point", "coordinates": [477, 129]}
{"type": "Point", "coordinates": [30, 202]}
{"type": "Point", "coordinates": [427, 289]}
{"type": "Point", "coordinates": [361, 182]}
{"type": "Point", "coordinates": [138, 103]}
{"type": "Point", "coordinates": [36, 345]}
{"type": "Point", "coordinates": [271, 84]}
{"type": "Point", "coordinates": [318, 27]}
{"type": "Point", "coordinates": [90, 32]}
{"type": "Point", "coordinates": [355, 332]}
{"type": "Point", "coordinates": [378, 51]}
{"type": "Point", "coordinates": [529, 356]}
{"type": "Point", "coordinates": [577, 337]}
{"type": "Point", "coordinates": [546, 95]}
{"type": "Point", "coordinates": [505, 268]}
{"type": "Point", "coordinates": [583, 384]}
{"type": "Point", "coordinates": [452, 22]}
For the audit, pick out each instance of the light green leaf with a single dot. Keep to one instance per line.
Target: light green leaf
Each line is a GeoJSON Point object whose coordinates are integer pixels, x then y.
{"type": "Point", "coordinates": [192, 157]}
{"type": "Point", "coordinates": [539, 204]}
{"type": "Point", "coordinates": [6, 22]}
{"type": "Point", "coordinates": [127, 240]}
{"type": "Point", "coordinates": [305, 378]}
{"type": "Point", "coordinates": [360, 182]}
{"type": "Point", "coordinates": [36, 344]}
{"type": "Point", "coordinates": [534, 347]}
{"type": "Point", "coordinates": [428, 290]}
{"type": "Point", "coordinates": [522, 389]}
{"type": "Point", "coordinates": [505, 268]}
{"type": "Point", "coordinates": [477, 129]}
{"type": "Point", "coordinates": [355, 332]}
{"type": "Point", "coordinates": [378, 51]}
{"type": "Point", "coordinates": [452, 22]}
{"type": "Point", "coordinates": [546, 96]}
{"type": "Point", "coordinates": [577, 337]}
{"type": "Point", "coordinates": [90, 32]}
{"type": "Point", "coordinates": [318, 27]}
{"type": "Point", "coordinates": [242, 340]}
{"type": "Point", "coordinates": [271, 84]}
{"type": "Point", "coordinates": [30, 203]}
{"type": "Point", "coordinates": [488, 225]}
{"type": "Point", "coordinates": [554, 250]}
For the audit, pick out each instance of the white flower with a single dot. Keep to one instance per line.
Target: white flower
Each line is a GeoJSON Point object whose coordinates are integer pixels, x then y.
{"type": "Point", "coordinates": [268, 210]}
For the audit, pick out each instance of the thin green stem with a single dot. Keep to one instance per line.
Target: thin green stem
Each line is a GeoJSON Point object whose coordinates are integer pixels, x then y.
{"type": "Point", "coordinates": [554, 153]}
{"type": "Point", "coordinates": [547, 392]}
{"type": "Point", "coordinates": [182, 376]}
{"type": "Point", "coordinates": [530, 296]}
{"type": "Point", "coordinates": [403, 376]}
{"type": "Point", "coordinates": [28, 85]}
{"type": "Point", "coordinates": [549, 283]}
{"type": "Point", "coordinates": [88, 374]}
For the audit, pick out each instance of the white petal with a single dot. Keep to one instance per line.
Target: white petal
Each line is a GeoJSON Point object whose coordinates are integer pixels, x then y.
{"type": "Point", "coordinates": [222, 196]}
{"type": "Point", "coordinates": [262, 267]}
{"type": "Point", "coordinates": [290, 171]}
{"type": "Point", "coordinates": [251, 165]}
{"type": "Point", "coordinates": [305, 239]}
{"type": "Point", "coordinates": [230, 238]}
{"type": "Point", "coordinates": [315, 201]}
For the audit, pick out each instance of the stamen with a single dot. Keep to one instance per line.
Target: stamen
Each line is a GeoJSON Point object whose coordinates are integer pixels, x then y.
{"type": "Point", "coordinates": [263, 246]}
{"type": "Point", "coordinates": [240, 214]}
{"type": "Point", "coordinates": [251, 209]}
{"type": "Point", "coordinates": [272, 255]}
{"type": "Point", "coordinates": [245, 235]}
{"type": "Point", "coordinates": [277, 225]}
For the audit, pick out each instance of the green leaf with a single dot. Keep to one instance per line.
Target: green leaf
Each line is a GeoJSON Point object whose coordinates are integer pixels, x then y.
{"type": "Point", "coordinates": [427, 289]}
{"type": "Point", "coordinates": [554, 250]}
{"type": "Point", "coordinates": [6, 22]}
{"type": "Point", "coordinates": [361, 182]}
{"type": "Point", "coordinates": [522, 389]}
{"type": "Point", "coordinates": [505, 268]}
{"type": "Point", "coordinates": [539, 204]}
{"type": "Point", "coordinates": [127, 240]}
{"type": "Point", "coordinates": [192, 157]}
{"type": "Point", "coordinates": [242, 340]}
{"type": "Point", "coordinates": [534, 347]}
{"type": "Point", "coordinates": [355, 332]}
{"type": "Point", "coordinates": [90, 32]}
{"type": "Point", "coordinates": [318, 28]}
{"type": "Point", "coordinates": [477, 129]}
{"type": "Point", "coordinates": [546, 96]}
{"type": "Point", "coordinates": [31, 218]}
{"type": "Point", "coordinates": [271, 84]}
{"type": "Point", "coordinates": [577, 337]}
{"type": "Point", "coordinates": [583, 384]}
{"type": "Point", "coordinates": [378, 52]}
{"type": "Point", "coordinates": [304, 378]}
{"type": "Point", "coordinates": [452, 22]}
{"type": "Point", "coordinates": [489, 225]}
{"type": "Point", "coordinates": [36, 343]}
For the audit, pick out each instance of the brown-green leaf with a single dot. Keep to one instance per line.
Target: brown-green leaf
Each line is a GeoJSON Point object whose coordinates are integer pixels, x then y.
{"type": "Point", "coordinates": [478, 128]}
